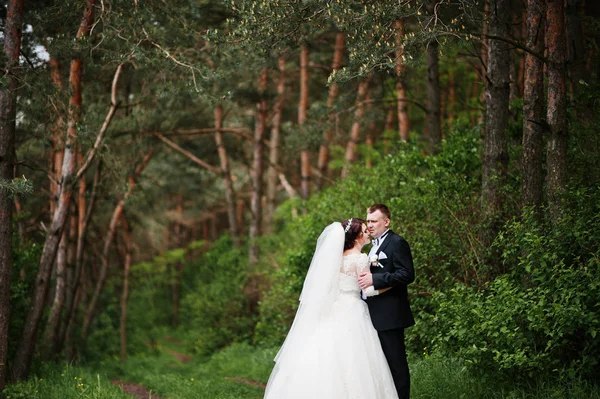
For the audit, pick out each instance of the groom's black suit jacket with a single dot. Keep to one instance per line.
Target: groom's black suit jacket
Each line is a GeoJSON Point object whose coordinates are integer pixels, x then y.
{"type": "Point", "coordinates": [391, 309]}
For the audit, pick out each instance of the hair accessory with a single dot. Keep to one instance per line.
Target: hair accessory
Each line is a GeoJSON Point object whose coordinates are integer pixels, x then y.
{"type": "Point", "coordinates": [348, 225]}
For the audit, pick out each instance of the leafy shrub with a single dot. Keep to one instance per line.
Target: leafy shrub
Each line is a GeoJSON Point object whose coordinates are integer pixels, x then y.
{"type": "Point", "coordinates": [541, 316]}
{"type": "Point", "coordinates": [215, 310]}
{"type": "Point", "coordinates": [434, 205]}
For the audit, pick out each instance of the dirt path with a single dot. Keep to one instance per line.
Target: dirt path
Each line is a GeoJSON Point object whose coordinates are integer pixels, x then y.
{"type": "Point", "coordinates": [183, 358]}
{"type": "Point", "coordinates": [135, 390]}
{"type": "Point", "coordinates": [247, 382]}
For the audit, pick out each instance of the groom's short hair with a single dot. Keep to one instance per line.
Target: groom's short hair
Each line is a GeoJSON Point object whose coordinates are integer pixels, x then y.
{"type": "Point", "coordinates": [381, 208]}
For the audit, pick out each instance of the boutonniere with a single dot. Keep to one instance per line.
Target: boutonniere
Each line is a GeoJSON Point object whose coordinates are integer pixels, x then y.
{"type": "Point", "coordinates": [375, 261]}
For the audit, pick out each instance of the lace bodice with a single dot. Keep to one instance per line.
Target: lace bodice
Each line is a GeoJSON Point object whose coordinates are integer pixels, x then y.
{"type": "Point", "coordinates": [352, 266]}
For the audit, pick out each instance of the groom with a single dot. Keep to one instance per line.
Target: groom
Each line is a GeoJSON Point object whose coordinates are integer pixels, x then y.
{"type": "Point", "coordinates": [390, 310]}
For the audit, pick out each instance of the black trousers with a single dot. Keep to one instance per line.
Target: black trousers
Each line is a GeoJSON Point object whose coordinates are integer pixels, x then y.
{"type": "Point", "coordinates": [392, 343]}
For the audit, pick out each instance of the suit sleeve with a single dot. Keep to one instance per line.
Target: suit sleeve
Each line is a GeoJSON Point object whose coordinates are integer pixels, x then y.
{"type": "Point", "coordinates": [403, 270]}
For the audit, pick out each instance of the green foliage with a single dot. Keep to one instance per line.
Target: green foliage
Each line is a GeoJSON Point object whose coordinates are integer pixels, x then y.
{"type": "Point", "coordinates": [18, 185]}
{"type": "Point", "coordinates": [542, 316]}
{"type": "Point", "coordinates": [25, 257]}
{"type": "Point", "coordinates": [433, 202]}
{"type": "Point", "coordinates": [215, 310]}
{"type": "Point", "coordinates": [64, 382]}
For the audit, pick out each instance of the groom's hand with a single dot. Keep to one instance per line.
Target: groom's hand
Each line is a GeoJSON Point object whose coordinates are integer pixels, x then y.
{"type": "Point", "coordinates": [365, 280]}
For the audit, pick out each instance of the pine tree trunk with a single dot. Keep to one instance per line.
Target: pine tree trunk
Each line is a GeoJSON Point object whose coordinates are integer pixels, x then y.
{"type": "Point", "coordinates": [495, 156]}
{"type": "Point", "coordinates": [514, 73]}
{"type": "Point", "coordinates": [557, 103]}
{"type": "Point", "coordinates": [402, 104]}
{"type": "Point", "coordinates": [8, 110]}
{"type": "Point", "coordinates": [125, 291]}
{"type": "Point", "coordinates": [30, 326]}
{"type": "Point", "coordinates": [226, 174]}
{"type": "Point", "coordinates": [59, 295]}
{"type": "Point", "coordinates": [484, 57]}
{"type": "Point", "coordinates": [257, 171]}
{"type": "Point", "coordinates": [363, 90]}
{"type": "Point", "coordinates": [323, 161]}
{"type": "Point", "coordinates": [575, 44]}
{"type": "Point", "coordinates": [131, 183]}
{"type": "Point", "coordinates": [84, 213]}
{"type": "Point", "coordinates": [305, 169]}
{"type": "Point", "coordinates": [521, 75]}
{"type": "Point", "coordinates": [451, 104]}
{"type": "Point", "coordinates": [433, 98]}
{"type": "Point", "coordinates": [56, 142]}
{"type": "Point", "coordinates": [272, 174]}
{"type": "Point", "coordinates": [533, 107]}
{"type": "Point", "coordinates": [178, 266]}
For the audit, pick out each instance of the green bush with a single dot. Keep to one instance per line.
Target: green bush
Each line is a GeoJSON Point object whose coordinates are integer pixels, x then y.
{"type": "Point", "coordinates": [434, 204]}
{"type": "Point", "coordinates": [215, 310]}
{"type": "Point", "coordinates": [543, 315]}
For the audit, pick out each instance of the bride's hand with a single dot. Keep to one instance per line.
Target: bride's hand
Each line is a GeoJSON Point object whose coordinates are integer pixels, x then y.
{"type": "Point", "coordinates": [365, 280]}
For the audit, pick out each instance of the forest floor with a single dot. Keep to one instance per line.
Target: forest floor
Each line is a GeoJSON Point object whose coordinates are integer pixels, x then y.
{"type": "Point", "coordinates": [139, 391]}
{"type": "Point", "coordinates": [170, 371]}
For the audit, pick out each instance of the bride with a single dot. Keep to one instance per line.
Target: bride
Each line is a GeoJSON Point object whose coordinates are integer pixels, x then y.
{"type": "Point", "coordinates": [332, 350]}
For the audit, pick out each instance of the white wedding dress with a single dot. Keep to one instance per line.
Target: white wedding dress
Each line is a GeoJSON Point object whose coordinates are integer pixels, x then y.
{"type": "Point", "coordinates": [338, 357]}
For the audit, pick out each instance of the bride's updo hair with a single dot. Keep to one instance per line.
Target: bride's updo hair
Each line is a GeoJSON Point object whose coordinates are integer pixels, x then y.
{"type": "Point", "coordinates": [353, 229]}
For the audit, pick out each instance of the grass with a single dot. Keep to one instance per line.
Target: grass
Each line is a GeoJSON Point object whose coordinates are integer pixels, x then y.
{"type": "Point", "coordinates": [233, 372]}
{"type": "Point", "coordinates": [65, 382]}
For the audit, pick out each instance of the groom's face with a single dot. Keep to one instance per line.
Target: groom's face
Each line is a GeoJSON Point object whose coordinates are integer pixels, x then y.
{"type": "Point", "coordinates": [377, 223]}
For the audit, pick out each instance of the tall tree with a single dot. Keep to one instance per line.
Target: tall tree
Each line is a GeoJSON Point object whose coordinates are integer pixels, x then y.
{"type": "Point", "coordinates": [13, 29]}
{"type": "Point", "coordinates": [338, 57]}
{"type": "Point", "coordinates": [226, 174]}
{"type": "Point", "coordinates": [125, 290]}
{"type": "Point", "coordinates": [575, 44]}
{"type": "Point", "coordinates": [260, 121]}
{"type": "Point", "coordinates": [533, 107]}
{"type": "Point", "coordinates": [402, 105]}
{"type": "Point", "coordinates": [363, 90]}
{"type": "Point", "coordinates": [434, 122]}
{"type": "Point", "coordinates": [495, 153]}
{"type": "Point", "coordinates": [272, 173]}
{"type": "Point", "coordinates": [557, 103]}
{"type": "Point", "coordinates": [27, 343]}
{"type": "Point", "coordinates": [305, 167]}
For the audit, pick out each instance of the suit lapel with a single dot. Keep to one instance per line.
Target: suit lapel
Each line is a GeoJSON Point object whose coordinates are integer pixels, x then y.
{"type": "Point", "coordinates": [385, 242]}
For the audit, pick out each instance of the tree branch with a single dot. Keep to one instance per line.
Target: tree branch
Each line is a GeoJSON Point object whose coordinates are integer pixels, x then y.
{"type": "Point", "coordinates": [188, 154]}
{"type": "Point", "coordinates": [104, 128]}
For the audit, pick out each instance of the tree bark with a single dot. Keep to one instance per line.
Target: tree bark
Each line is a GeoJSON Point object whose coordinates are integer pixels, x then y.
{"type": "Point", "coordinates": [533, 108]}
{"type": "Point", "coordinates": [56, 142]}
{"type": "Point", "coordinates": [495, 156]}
{"type": "Point", "coordinates": [131, 183]}
{"type": "Point", "coordinates": [484, 58]}
{"type": "Point", "coordinates": [30, 326]}
{"type": "Point", "coordinates": [59, 295]}
{"type": "Point", "coordinates": [575, 44]}
{"type": "Point", "coordinates": [178, 265]}
{"type": "Point", "coordinates": [323, 161]}
{"type": "Point", "coordinates": [125, 292]}
{"type": "Point", "coordinates": [434, 121]}
{"type": "Point", "coordinates": [363, 89]}
{"type": "Point", "coordinates": [556, 157]}
{"type": "Point", "coordinates": [451, 104]}
{"type": "Point", "coordinates": [13, 29]}
{"type": "Point", "coordinates": [226, 174]}
{"type": "Point", "coordinates": [402, 104]}
{"type": "Point", "coordinates": [257, 170]}
{"type": "Point", "coordinates": [305, 169]}
{"type": "Point", "coordinates": [272, 178]}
